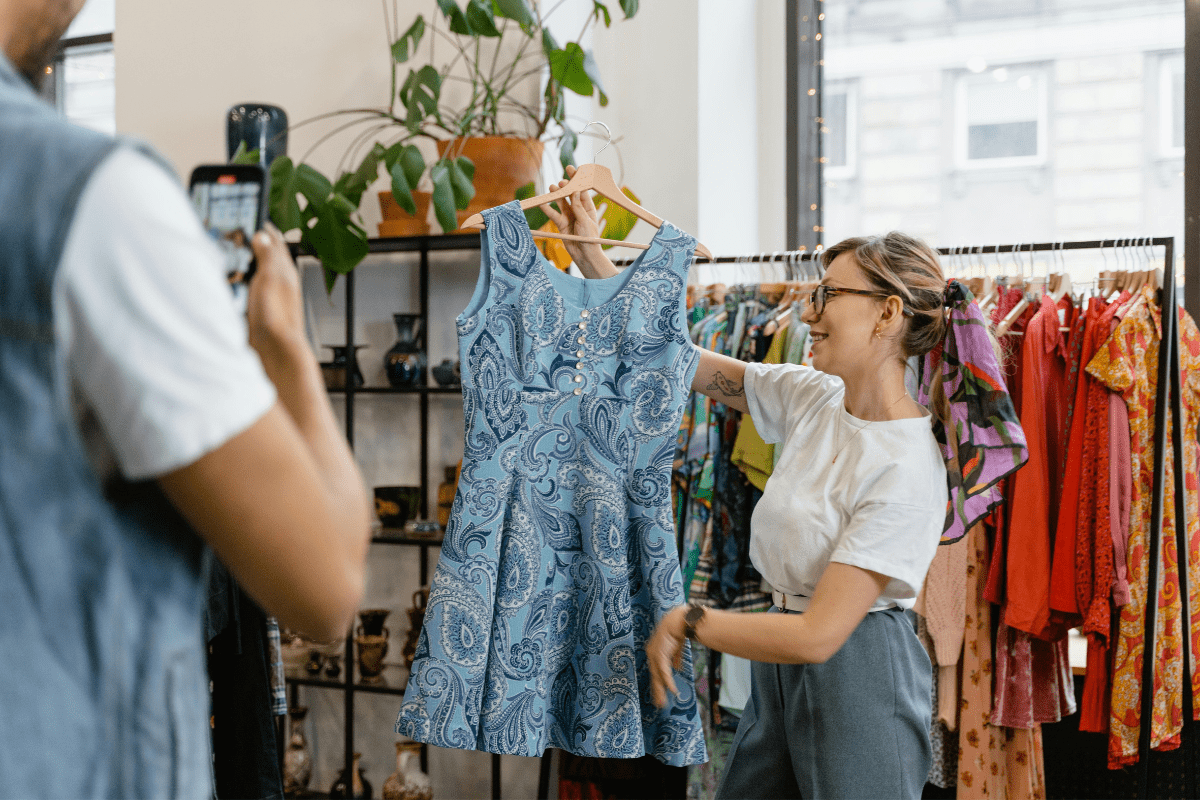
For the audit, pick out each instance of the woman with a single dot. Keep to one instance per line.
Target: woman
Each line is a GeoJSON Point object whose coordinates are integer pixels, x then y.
{"type": "Point", "coordinates": [845, 532]}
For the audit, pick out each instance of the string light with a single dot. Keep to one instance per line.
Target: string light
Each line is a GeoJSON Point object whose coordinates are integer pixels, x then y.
{"type": "Point", "coordinates": [811, 92]}
{"type": "Point", "coordinates": [813, 207]}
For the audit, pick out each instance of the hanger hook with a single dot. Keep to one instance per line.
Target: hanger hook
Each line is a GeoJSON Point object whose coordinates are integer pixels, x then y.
{"type": "Point", "coordinates": [607, 133]}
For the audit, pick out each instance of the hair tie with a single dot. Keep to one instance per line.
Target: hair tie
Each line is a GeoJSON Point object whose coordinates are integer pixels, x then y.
{"type": "Point", "coordinates": [954, 294]}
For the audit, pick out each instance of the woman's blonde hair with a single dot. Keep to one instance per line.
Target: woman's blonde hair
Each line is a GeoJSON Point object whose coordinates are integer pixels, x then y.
{"type": "Point", "coordinates": [899, 264]}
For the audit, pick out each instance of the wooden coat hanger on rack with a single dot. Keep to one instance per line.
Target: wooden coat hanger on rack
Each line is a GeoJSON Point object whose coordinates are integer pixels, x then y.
{"type": "Point", "coordinates": [590, 178]}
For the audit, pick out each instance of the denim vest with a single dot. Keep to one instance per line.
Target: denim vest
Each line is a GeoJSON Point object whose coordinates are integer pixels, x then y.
{"type": "Point", "coordinates": [103, 689]}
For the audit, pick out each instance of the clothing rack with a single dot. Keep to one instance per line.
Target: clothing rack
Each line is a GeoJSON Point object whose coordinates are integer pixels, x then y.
{"type": "Point", "coordinates": [1168, 400]}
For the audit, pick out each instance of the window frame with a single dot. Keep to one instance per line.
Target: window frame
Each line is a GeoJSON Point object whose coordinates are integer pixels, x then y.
{"type": "Point", "coordinates": [54, 90]}
{"type": "Point", "coordinates": [962, 161]}
{"type": "Point", "coordinates": [849, 170]}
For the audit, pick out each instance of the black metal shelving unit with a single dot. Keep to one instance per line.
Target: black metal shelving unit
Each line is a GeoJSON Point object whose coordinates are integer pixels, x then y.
{"type": "Point", "coordinates": [393, 680]}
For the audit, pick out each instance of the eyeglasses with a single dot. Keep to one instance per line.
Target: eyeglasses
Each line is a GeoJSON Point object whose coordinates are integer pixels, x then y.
{"type": "Point", "coordinates": [822, 293]}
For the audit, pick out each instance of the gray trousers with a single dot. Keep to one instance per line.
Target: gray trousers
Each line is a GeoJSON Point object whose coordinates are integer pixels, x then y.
{"type": "Point", "coordinates": [854, 727]}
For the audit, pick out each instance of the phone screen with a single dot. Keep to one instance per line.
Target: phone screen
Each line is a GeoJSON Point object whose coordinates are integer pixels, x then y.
{"type": "Point", "coordinates": [228, 209]}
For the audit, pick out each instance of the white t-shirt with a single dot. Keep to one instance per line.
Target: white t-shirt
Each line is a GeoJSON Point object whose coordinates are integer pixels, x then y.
{"type": "Point", "coordinates": [880, 507]}
{"type": "Point", "coordinates": [146, 321]}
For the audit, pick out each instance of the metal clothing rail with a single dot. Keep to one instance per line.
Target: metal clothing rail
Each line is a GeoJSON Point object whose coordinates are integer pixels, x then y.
{"type": "Point", "coordinates": [966, 251]}
{"type": "Point", "coordinates": [1168, 400]}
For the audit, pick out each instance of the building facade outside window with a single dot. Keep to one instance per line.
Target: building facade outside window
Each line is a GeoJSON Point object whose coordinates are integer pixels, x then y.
{"type": "Point", "coordinates": [975, 123]}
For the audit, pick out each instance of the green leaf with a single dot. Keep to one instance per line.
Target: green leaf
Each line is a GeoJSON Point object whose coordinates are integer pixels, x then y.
{"type": "Point", "coordinates": [443, 196]}
{"type": "Point", "coordinates": [566, 147]}
{"type": "Point", "coordinates": [408, 156]}
{"type": "Point", "coordinates": [285, 209]}
{"type": "Point", "coordinates": [353, 184]}
{"type": "Point", "coordinates": [315, 187]}
{"type": "Point", "coordinates": [454, 15]}
{"type": "Point", "coordinates": [534, 216]}
{"type": "Point", "coordinates": [630, 7]}
{"type": "Point", "coordinates": [420, 93]}
{"type": "Point", "coordinates": [566, 67]}
{"type": "Point", "coordinates": [591, 69]}
{"type": "Point", "coordinates": [515, 9]}
{"type": "Point", "coordinates": [480, 19]}
{"type": "Point", "coordinates": [342, 205]}
{"type": "Point", "coordinates": [402, 189]}
{"type": "Point", "coordinates": [340, 244]}
{"type": "Point", "coordinates": [406, 45]}
{"type": "Point", "coordinates": [601, 10]}
{"type": "Point", "coordinates": [462, 176]}
{"type": "Point", "coordinates": [548, 44]}
{"type": "Point", "coordinates": [244, 156]}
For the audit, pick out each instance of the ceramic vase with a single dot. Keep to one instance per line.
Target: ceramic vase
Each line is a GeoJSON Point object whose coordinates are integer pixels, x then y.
{"type": "Point", "coordinates": [372, 622]}
{"type": "Point", "coordinates": [405, 363]}
{"type": "Point", "coordinates": [352, 783]}
{"type": "Point", "coordinates": [371, 652]}
{"type": "Point", "coordinates": [408, 782]}
{"type": "Point", "coordinates": [297, 763]}
{"type": "Point", "coordinates": [416, 618]}
{"type": "Point", "coordinates": [345, 362]}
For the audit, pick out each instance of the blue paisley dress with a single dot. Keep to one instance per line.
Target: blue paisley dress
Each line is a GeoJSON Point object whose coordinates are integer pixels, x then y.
{"type": "Point", "coordinates": [560, 554]}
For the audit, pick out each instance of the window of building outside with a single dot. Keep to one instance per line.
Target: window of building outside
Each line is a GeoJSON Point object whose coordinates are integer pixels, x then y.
{"type": "Point", "coordinates": [975, 123]}
{"type": "Point", "coordinates": [1170, 94]}
{"type": "Point", "coordinates": [1000, 116]}
{"type": "Point", "coordinates": [838, 130]}
{"type": "Point", "coordinates": [81, 81]}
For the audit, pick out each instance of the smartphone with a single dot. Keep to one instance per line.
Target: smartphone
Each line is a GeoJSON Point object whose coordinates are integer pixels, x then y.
{"type": "Point", "coordinates": [231, 201]}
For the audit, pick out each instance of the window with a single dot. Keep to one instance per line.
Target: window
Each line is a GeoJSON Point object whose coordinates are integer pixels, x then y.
{"type": "Point", "coordinates": [81, 81]}
{"type": "Point", "coordinates": [1001, 117]}
{"type": "Point", "coordinates": [839, 131]}
{"type": "Point", "coordinates": [1170, 106]}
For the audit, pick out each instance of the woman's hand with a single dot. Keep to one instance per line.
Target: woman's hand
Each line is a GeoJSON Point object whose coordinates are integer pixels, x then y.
{"type": "Point", "coordinates": [577, 216]}
{"type": "Point", "coordinates": [664, 653]}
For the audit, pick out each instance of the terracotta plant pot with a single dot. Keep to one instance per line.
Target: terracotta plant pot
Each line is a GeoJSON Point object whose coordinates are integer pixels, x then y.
{"type": "Point", "coordinates": [398, 222]}
{"type": "Point", "coordinates": [502, 165]}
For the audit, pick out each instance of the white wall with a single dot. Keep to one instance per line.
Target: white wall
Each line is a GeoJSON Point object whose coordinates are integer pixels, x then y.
{"type": "Point", "coordinates": [727, 126]}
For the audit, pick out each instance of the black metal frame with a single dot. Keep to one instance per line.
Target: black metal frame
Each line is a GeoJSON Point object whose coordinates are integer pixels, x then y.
{"type": "Point", "coordinates": [804, 158]}
{"type": "Point", "coordinates": [1191, 158]}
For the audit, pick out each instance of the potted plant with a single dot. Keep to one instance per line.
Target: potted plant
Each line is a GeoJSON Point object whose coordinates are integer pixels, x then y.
{"type": "Point", "coordinates": [474, 142]}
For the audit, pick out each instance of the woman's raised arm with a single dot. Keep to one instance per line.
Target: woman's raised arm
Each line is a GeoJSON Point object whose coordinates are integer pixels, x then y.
{"type": "Point", "coordinates": [722, 378]}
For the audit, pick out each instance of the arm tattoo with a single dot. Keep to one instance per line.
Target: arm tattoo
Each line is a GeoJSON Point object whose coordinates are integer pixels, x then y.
{"type": "Point", "coordinates": [725, 386]}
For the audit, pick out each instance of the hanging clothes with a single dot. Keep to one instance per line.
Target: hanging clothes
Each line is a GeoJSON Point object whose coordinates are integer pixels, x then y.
{"type": "Point", "coordinates": [559, 557]}
{"type": "Point", "coordinates": [1129, 364]}
{"type": "Point", "coordinates": [993, 762]}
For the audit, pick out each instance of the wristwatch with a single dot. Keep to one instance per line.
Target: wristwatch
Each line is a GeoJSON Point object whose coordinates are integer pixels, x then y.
{"type": "Point", "coordinates": [691, 619]}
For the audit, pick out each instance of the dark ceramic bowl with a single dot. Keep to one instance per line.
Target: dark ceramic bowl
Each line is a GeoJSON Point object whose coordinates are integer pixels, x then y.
{"type": "Point", "coordinates": [396, 505]}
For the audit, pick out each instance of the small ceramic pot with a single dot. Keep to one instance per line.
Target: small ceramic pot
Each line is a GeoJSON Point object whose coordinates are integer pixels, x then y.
{"type": "Point", "coordinates": [396, 505]}
{"type": "Point", "coordinates": [333, 667]}
{"type": "Point", "coordinates": [371, 652]}
{"type": "Point", "coordinates": [447, 373]}
{"type": "Point", "coordinates": [351, 783]}
{"type": "Point", "coordinates": [372, 622]}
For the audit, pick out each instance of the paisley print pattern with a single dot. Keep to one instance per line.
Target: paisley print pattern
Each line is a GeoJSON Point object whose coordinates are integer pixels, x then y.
{"type": "Point", "coordinates": [560, 556]}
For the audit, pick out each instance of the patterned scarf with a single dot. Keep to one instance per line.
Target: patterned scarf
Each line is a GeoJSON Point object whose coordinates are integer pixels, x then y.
{"type": "Point", "coordinates": [983, 441]}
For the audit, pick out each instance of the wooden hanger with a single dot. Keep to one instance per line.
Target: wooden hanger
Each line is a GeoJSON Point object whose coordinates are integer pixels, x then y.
{"type": "Point", "coordinates": [589, 178]}
{"type": "Point", "coordinates": [1062, 286]}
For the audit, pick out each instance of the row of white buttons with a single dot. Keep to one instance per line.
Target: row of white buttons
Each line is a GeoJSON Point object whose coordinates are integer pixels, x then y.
{"type": "Point", "coordinates": [580, 353]}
